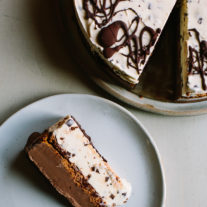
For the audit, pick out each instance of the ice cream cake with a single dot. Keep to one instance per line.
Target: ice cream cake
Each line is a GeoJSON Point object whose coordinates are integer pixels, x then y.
{"type": "Point", "coordinates": [123, 32]}
{"type": "Point", "coordinates": [67, 157]}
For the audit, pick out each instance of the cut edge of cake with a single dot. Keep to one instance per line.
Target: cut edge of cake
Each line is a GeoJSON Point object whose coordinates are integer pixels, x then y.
{"type": "Point", "coordinates": [183, 45]}
{"type": "Point", "coordinates": [193, 56]}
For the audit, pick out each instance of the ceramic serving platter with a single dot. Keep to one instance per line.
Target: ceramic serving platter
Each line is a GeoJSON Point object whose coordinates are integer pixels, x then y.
{"type": "Point", "coordinates": [157, 83]}
{"type": "Point", "coordinates": [115, 132]}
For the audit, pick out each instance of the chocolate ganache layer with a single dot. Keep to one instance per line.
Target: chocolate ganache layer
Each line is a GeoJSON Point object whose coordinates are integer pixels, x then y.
{"type": "Point", "coordinates": [67, 157]}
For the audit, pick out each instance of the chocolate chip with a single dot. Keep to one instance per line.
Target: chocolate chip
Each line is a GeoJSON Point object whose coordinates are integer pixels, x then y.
{"type": "Point", "coordinates": [106, 179]}
{"type": "Point", "coordinates": [97, 171]}
{"type": "Point", "coordinates": [73, 155]}
{"type": "Point", "coordinates": [124, 194]}
{"type": "Point", "coordinates": [70, 122]}
{"type": "Point", "coordinates": [68, 154]}
{"type": "Point", "coordinates": [112, 196]}
{"type": "Point", "coordinates": [89, 176]}
{"type": "Point", "coordinates": [93, 168]}
{"type": "Point", "coordinates": [61, 138]}
{"type": "Point", "coordinates": [73, 128]}
{"type": "Point", "coordinates": [200, 20]}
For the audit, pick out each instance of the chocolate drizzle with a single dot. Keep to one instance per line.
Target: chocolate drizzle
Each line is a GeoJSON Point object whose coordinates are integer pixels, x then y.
{"type": "Point", "coordinates": [198, 58]}
{"type": "Point", "coordinates": [108, 35]}
{"type": "Point", "coordinates": [98, 9]}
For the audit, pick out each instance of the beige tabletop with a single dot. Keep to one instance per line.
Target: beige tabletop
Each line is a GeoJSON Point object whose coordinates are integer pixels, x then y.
{"type": "Point", "coordinates": [34, 63]}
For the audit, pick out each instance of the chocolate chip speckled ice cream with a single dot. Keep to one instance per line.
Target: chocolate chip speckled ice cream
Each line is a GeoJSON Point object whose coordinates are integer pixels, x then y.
{"type": "Point", "coordinates": [194, 44]}
{"type": "Point", "coordinates": [123, 32]}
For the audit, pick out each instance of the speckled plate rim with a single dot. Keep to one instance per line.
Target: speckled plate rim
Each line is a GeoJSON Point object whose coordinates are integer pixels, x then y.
{"type": "Point", "coordinates": [149, 137]}
{"type": "Point", "coordinates": [151, 105]}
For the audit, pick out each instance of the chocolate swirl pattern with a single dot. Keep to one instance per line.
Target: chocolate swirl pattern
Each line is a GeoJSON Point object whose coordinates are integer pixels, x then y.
{"type": "Point", "coordinates": [197, 60]}
{"type": "Point", "coordinates": [137, 50]}
{"type": "Point", "coordinates": [123, 32]}
{"type": "Point", "coordinates": [102, 12]}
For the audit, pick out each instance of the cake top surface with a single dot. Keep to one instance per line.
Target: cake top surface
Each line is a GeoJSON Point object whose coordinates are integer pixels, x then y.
{"type": "Point", "coordinates": [125, 31]}
{"type": "Point", "coordinates": [72, 139]}
{"type": "Point", "coordinates": [197, 16]}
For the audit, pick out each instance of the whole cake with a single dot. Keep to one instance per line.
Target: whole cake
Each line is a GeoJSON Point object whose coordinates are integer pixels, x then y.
{"type": "Point", "coordinates": [67, 157]}
{"type": "Point", "coordinates": [123, 32]}
{"type": "Point", "coordinates": [194, 48]}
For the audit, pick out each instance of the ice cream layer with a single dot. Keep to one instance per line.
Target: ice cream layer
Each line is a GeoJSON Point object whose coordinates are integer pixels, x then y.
{"type": "Point", "coordinates": [123, 32]}
{"type": "Point", "coordinates": [71, 139]}
{"type": "Point", "coordinates": [197, 47]}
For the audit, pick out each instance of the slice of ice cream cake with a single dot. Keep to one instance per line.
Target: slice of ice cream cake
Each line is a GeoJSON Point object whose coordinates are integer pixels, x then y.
{"type": "Point", "coordinates": [67, 157]}
{"type": "Point", "coordinates": [123, 32]}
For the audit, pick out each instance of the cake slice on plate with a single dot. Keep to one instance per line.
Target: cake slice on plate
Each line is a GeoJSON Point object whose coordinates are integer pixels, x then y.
{"type": "Point", "coordinates": [67, 157]}
{"type": "Point", "coordinates": [194, 48]}
{"type": "Point", "coordinates": [123, 32]}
